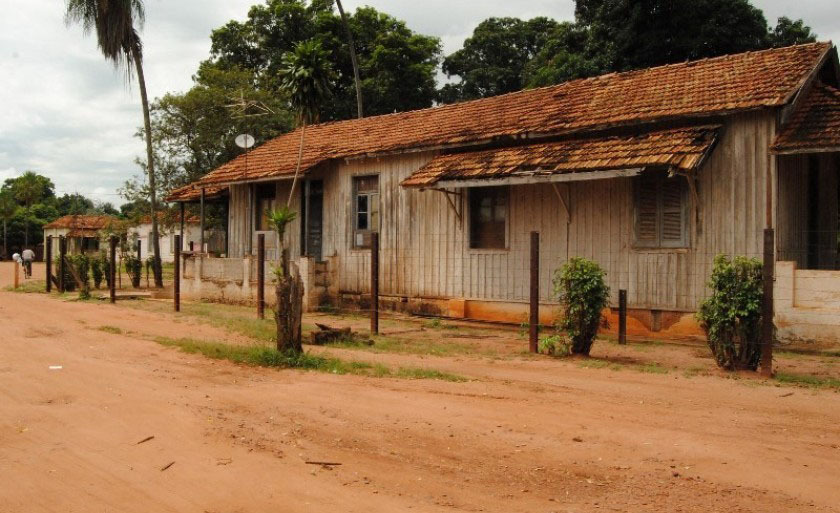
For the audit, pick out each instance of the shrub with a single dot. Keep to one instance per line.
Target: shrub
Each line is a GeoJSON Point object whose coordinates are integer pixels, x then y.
{"type": "Point", "coordinates": [731, 316]}
{"type": "Point", "coordinates": [81, 268]}
{"type": "Point", "coordinates": [583, 295]}
{"type": "Point", "coordinates": [555, 345]}
{"type": "Point", "coordinates": [134, 269]}
{"type": "Point", "coordinates": [97, 271]}
{"type": "Point", "coordinates": [69, 282]}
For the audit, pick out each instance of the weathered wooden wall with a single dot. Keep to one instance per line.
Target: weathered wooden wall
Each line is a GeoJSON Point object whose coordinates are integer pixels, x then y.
{"type": "Point", "coordinates": [241, 222]}
{"type": "Point", "coordinates": [425, 249]}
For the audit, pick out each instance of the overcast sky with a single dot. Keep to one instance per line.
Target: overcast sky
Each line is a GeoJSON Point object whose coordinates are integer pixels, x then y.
{"type": "Point", "coordinates": [67, 114]}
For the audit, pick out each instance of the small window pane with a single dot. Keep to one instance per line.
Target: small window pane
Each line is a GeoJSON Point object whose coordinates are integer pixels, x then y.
{"type": "Point", "coordinates": [488, 217]}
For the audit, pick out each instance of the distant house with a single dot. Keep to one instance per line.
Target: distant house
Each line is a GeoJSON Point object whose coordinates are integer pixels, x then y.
{"type": "Point", "coordinates": [81, 231]}
{"type": "Point", "coordinates": [651, 173]}
{"type": "Point", "coordinates": [191, 236]}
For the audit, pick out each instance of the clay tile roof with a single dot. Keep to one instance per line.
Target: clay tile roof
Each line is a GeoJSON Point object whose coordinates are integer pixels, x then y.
{"type": "Point", "coordinates": [82, 223]}
{"type": "Point", "coordinates": [162, 217]}
{"type": "Point", "coordinates": [716, 86]}
{"type": "Point", "coordinates": [192, 192]}
{"type": "Point", "coordinates": [681, 148]}
{"type": "Point", "coordinates": [815, 125]}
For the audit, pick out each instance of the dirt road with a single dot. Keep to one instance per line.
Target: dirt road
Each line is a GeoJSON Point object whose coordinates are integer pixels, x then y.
{"type": "Point", "coordinates": [524, 436]}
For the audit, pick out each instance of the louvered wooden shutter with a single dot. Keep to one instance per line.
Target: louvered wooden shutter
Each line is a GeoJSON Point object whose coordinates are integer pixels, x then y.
{"type": "Point", "coordinates": [647, 218]}
{"type": "Point", "coordinates": [672, 212]}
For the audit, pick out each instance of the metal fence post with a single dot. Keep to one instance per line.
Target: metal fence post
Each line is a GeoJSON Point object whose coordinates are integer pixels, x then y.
{"type": "Point", "coordinates": [622, 316]}
{"type": "Point", "coordinates": [62, 252]}
{"type": "Point", "coordinates": [48, 258]}
{"type": "Point", "coordinates": [767, 311]}
{"type": "Point", "coordinates": [260, 276]}
{"type": "Point", "coordinates": [176, 287]}
{"type": "Point", "coordinates": [374, 283]}
{"type": "Point", "coordinates": [113, 269]}
{"type": "Point", "coordinates": [534, 320]}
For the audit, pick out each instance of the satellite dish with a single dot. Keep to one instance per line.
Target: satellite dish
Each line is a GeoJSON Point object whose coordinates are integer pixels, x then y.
{"type": "Point", "coordinates": [245, 141]}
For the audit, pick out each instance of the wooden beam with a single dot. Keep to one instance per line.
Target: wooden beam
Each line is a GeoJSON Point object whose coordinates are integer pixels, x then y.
{"type": "Point", "coordinates": [805, 151]}
{"type": "Point", "coordinates": [563, 201]}
{"type": "Point", "coordinates": [458, 211]}
{"type": "Point", "coordinates": [536, 177]}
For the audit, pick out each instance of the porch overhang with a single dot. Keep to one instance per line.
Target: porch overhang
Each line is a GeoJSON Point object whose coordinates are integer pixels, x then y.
{"type": "Point", "coordinates": [681, 150]}
{"type": "Point", "coordinates": [814, 127]}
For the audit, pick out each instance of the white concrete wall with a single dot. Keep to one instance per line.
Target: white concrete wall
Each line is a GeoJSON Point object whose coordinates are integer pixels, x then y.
{"type": "Point", "coordinates": [807, 304]}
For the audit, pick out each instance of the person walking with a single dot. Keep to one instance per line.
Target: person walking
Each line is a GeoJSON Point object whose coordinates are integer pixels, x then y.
{"type": "Point", "coordinates": [28, 256]}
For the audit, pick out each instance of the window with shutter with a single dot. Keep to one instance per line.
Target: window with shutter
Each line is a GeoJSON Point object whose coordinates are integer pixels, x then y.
{"type": "Point", "coordinates": [365, 209]}
{"type": "Point", "coordinates": [660, 211]}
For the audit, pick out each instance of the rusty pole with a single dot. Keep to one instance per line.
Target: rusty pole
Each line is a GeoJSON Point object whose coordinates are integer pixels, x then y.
{"type": "Point", "coordinates": [374, 283]}
{"type": "Point", "coordinates": [767, 312]}
{"type": "Point", "coordinates": [17, 274]}
{"type": "Point", "coordinates": [622, 316]}
{"type": "Point", "coordinates": [62, 252]}
{"type": "Point", "coordinates": [534, 320]}
{"type": "Point", "coordinates": [113, 269]}
{"type": "Point", "coordinates": [261, 276]}
{"type": "Point", "coordinates": [48, 258]}
{"type": "Point", "coordinates": [176, 287]}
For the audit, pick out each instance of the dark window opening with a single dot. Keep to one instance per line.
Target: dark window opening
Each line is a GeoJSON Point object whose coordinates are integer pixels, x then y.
{"type": "Point", "coordinates": [661, 211]}
{"type": "Point", "coordinates": [488, 217]}
{"type": "Point", "coordinates": [266, 201]}
{"type": "Point", "coordinates": [365, 209]}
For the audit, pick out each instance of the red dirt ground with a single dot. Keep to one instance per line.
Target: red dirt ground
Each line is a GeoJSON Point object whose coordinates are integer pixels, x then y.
{"type": "Point", "coordinates": [529, 435]}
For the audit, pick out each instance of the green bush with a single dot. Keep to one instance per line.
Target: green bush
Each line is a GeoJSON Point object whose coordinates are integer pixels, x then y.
{"type": "Point", "coordinates": [97, 271]}
{"type": "Point", "coordinates": [69, 282]}
{"type": "Point", "coordinates": [134, 269]}
{"type": "Point", "coordinates": [731, 316]}
{"type": "Point", "coordinates": [81, 265]}
{"type": "Point", "coordinates": [555, 345]}
{"type": "Point", "coordinates": [583, 295]}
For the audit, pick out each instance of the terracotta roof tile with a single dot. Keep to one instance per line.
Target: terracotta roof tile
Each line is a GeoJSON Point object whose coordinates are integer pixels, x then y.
{"type": "Point", "coordinates": [192, 192]}
{"type": "Point", "coordinates": [814, 125]}
{"type": "Point", "coordinates": [80, 222]}
{"type": "Point", "coordinates": [707, 87]}
{"type": "Point", "coordinates": [681, 148]}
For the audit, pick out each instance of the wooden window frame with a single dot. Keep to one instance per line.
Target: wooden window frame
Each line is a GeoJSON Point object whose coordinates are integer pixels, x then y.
{"type": "Point", "coordinates": [360, 237]}
{"type": "Point", "coordinates": [660, 179]}
{"type": "Point", "coordinates": [471, 242]}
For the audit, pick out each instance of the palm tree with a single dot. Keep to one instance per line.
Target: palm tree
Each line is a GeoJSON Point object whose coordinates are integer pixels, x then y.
{"type": "Point", "coordinates": [115, 23]}
{"type": "Point", "coordinates": [306, 76]}
{"type": "Point", "coordinates": [28, 190]}
{"type": "Point", "coordinates": [352, 44]}
{"type": "Point", "coordinates": [8, 208]}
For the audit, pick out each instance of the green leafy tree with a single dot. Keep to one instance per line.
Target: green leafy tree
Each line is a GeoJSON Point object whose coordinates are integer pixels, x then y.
{"type": "Point", "coordinates": [307, 78]}
{"type": "Point", "coordinates": [73, 204]}
{"type": "Point", "coordinates": [8, 209]}
{"type": "Point", "coordinates": [115, 24]}
{"type": "Point", "coordinates": [494, 58]}
{"type": "Point", "coordinates": [397, 66]}
{"type": "Point", "coordinates": [28, 189]}
{"type": "Point", "coordinates": [789, 32]}
{"type": "Point", "coordinates": [583, 294]}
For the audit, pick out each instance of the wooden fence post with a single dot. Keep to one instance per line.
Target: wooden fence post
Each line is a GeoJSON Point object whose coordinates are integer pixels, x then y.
{"type": "Point", "coordinates": [177, 278]}
{"type": "Point", "coordinates": [48, 258]}
{"type": "Point", "coordinates": [17, 275]}
{"type": "Point", "coordinates": [260, 276]}
{"type": "Point", "coordinates": [374, 283]}
{"type": "Point", "coordinates": [534, 320]}
{"type": "Point", "coordinates": [622, 316]}
{"type": "Point", "coordinates": [113, 269]}
{"type": "Point", "coordinates": [140, 249]}
{"type": "Point", "coordinates": [767, 311]}
{"type": "Point", "coordinates": [62, 253]}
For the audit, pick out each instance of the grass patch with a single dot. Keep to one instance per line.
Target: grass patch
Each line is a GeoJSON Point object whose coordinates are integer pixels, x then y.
{"type": "Point", "coordinates": [111, 329]}
{"type": "Point", "coordinates": [29, 287]}
{"type": "Point", "coordinates": [266, 356]}
{"type": "Point", "coordinates": [437, 324]}
{"type": "Point", "coordinates": [805, 380]}
{"type": "Point", "coordinates": [695, 371]}
{"type": "Point", "coordinates": [594, 363]}
{"type": "Point", "coordinates": [651, 368]}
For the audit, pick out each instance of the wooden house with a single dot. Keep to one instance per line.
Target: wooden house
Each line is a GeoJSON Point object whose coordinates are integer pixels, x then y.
{"type": "Point", "coordinates": [651, 173]}
{"type": "Point", "coordinates": [81, 231]}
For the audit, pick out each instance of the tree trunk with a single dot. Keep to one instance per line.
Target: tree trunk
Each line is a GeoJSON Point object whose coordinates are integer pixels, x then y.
{"type": "Point", "coordinates": [300, 158]}
{"type": "Point", "coordinates": [150, 165]}
{"type": "Point", "coordinates": [353, 58]}
{"type": "Point", "coordinates": [289, 311]}
{"type": "Point", "coordinates": [5, 240]}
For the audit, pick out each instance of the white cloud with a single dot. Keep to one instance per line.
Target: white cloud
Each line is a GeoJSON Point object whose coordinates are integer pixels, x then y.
{"type": "Point", "coordinates": [68, 114]}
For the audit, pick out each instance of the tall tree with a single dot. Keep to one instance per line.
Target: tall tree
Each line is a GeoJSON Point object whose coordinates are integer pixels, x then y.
{"type": "Point", "coordinates": [307, 78]}
{"type": "Point", "coordinates": [8, 209]}
{"type": "Point", "coordinates": [116, 23]}
{"type": "Point", "coordinates": [494, 58]}
{"type": "Point", "coordinates": [789, 32]}
{"type": "Point", "coordinates": [397, 66]}
{"type": "Point", "coordinates": [29, 189]}
{"type": "Point", "coordinates": [353, 59]}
